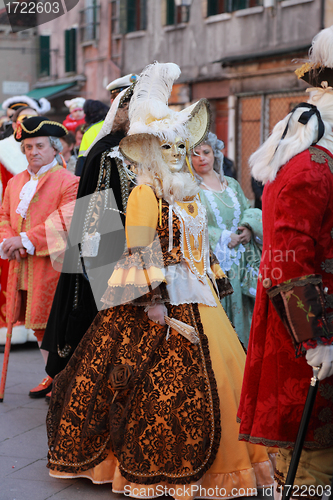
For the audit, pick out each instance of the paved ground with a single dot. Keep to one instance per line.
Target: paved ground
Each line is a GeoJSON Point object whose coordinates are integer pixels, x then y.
{"type": "Point", "coordinates": [23, 444]}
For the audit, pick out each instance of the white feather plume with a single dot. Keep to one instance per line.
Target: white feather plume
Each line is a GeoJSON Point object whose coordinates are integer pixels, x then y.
{"type": "Point", "coordinates": [151, 94]}
{"type": "Point", "coordinates": [321, 52]}
{"type": "Point", "coordinates": [44, 105]}
{"type": "Point", "coordinates": [41, 106]}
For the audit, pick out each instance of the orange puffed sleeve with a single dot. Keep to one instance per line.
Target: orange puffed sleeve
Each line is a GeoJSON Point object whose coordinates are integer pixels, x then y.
{"type": "Point", "coordinates": [141, 217]}
{"type": "Point", "coordinates": [138, 275]}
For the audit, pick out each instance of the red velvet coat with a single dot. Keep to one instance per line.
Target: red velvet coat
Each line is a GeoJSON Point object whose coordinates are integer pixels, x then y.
{"type": "Point", "coordinates": [298, 240]}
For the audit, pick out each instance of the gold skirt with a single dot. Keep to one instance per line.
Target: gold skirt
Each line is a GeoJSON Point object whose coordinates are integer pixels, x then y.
{"type": "Point", "coordinates": [239, 467]}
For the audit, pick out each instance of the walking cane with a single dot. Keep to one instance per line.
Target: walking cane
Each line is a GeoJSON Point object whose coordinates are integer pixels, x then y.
{"type": "Point", "coordinates": [5, 361]}
{"type": "Point", "coordinates": [8, 342]}
{"type": "Point", "coordinates": [303, 426]}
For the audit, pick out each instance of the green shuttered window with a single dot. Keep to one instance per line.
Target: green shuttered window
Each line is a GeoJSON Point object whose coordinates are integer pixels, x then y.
{"type": "Point", "coordinates": [70, 50]}
{"type": "Point", "coordinates": [44, 55]}
{"type": "Point", "coordinates": [215, 7]}
{"type": "Point", "coordinates": [132, 15]}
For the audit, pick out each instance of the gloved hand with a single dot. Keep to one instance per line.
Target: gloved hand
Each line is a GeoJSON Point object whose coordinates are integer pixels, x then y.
{"type": "Point", "coordinates": [321, 355]}
{"type": "Point", "coordinates": [156, 313]}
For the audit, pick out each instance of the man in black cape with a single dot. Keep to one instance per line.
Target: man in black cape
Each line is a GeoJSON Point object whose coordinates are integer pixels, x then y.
{"type": "Point", "coordinates": [76, 301]}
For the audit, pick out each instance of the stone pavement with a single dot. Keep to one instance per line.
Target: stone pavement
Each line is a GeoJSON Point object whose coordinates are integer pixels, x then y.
{"type": "Point", "coordinates": [23, 442]}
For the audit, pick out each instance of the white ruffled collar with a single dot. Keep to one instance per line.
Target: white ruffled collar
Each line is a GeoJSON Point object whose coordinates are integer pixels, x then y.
{"type": "Point", "coordinates": [42, 170]}
{"type": "Point", "coordinates": [29, 189]}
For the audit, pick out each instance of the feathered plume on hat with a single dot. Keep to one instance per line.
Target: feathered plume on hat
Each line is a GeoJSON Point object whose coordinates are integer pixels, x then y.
{"type": "Point", "coordinates": [149, 112]}
{"type": "Point", "coordinates": [319, 67]}
{"type": "Point", "coordinates": [41, 106]}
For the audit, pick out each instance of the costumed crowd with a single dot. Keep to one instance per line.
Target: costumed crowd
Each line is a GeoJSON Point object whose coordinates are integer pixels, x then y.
{"type": "Point", "coordinates": [180, 327]}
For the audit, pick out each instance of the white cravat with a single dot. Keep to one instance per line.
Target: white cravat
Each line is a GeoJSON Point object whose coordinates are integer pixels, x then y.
{"type": "Point", "coordinates": [26, 195]}
{"type": "Point", "coordinates": [29, 189]}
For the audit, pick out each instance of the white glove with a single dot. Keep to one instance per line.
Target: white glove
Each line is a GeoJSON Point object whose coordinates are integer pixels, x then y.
{"type": "Point", "coordinates": [321, 355]}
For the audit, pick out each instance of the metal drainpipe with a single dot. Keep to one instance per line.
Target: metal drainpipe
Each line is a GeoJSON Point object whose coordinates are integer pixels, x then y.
{"type": "Point", "coordinates": [231, 127]}
{"type": "Point", "coordinates": [322, 14]}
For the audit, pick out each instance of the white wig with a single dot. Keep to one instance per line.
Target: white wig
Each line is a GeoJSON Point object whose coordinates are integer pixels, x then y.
{"type": "Point", "coordinates": [277, 151]}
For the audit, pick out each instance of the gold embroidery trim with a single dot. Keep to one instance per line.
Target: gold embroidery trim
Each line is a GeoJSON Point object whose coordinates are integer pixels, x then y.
{"type": "Point", "coordinates": [45, 122]}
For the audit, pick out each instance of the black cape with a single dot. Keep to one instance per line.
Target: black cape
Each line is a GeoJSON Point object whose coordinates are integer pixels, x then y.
{"type": "Point", "coordinates": [75, 306]}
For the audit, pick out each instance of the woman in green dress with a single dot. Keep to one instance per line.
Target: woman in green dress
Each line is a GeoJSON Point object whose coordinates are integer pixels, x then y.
{"type": "Point", "coordinates": [235, 232]}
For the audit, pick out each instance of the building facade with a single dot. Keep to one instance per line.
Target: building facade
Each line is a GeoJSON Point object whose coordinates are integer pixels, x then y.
{"type": "Point", "coordinates": [75, 56]}
{"type": "Point", "coordinates": [239, 54]}
{"type": "Point", "coordinates": [19, 53]}
{"type": "Point", "coordinates": [236, 53]}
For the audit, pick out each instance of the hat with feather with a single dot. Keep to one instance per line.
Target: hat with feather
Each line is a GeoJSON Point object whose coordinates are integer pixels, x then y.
{"type": "Point", "coordinates": [318, 69]}
{"type": "Point", "coordinates": [39, 126]}
{"type": "Point", "coordinates": [149, 113]}
{"type": "Point", "coordinates": [15, 102]}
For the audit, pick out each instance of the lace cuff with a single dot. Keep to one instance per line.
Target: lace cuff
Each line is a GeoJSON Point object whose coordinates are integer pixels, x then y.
{"type": "Point", "coordinates": [225, 238]}
{"type": "Point", "coordinates": [30, 248]}
{"type": "Point", "coordinates": [137, 277]}
{"type": "Point", "coordinates": [145, 295]}
{"type": "Point", "coordinates": [222, 281]}
{"type": "Point", "coordinates": [142, 257]}
{"type": "Point", "coordinates": [300, 304]}
{"type": "Point", "coordinates": [2, 253]}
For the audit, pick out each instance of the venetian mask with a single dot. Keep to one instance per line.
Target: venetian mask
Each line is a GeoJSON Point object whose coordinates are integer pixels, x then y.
{"type": "Point", "coordinates": [174, 154]}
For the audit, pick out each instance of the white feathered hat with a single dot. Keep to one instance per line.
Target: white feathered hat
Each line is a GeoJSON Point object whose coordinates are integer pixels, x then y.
{"type": "Point", "coordinates": [41, 105]}
{"type": "Point", "coordinates": [149, 113]}
{"type": "Point", "coordinates": [319, 67]}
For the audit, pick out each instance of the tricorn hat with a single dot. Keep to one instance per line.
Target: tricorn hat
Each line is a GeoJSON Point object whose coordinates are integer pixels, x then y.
{"type": "Point", "coordinates": [151, 116]}
{"type": "Point", "coordinates": [38, 126]}
{"type": "Point", "coordinates": [318, 70]}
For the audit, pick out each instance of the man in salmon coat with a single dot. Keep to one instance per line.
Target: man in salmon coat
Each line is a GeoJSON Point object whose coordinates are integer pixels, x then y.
{"type": "Point", "coordinates": [292, 326]}
{"type": "Point", "coordinates": [30, 198]}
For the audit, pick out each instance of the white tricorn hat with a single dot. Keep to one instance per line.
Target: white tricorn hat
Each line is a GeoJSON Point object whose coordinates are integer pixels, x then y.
{"type": "Point", "coordinates": [150, 115]}
{"type": "Point", "coordinates": [122, 82]}
{"type": "Point", "coordinates": [76, 103]}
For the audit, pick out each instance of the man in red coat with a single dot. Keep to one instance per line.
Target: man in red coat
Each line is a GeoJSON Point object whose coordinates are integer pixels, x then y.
{"type": "Point", "coordinates": [292, 327]}
{"type": "Point", "coordinates": [30, 198]}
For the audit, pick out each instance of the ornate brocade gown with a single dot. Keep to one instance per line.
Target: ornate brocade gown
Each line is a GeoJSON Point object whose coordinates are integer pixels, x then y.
{"type": "Point", "coordinates": [143, 407]}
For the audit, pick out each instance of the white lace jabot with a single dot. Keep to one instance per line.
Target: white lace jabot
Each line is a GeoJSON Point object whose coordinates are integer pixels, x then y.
{"type": "Point", "coordinates": [29, 189]}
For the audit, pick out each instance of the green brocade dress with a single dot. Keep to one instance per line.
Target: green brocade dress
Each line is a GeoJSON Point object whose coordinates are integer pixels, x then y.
{"type": "Point", "coordinates": [226, 211]}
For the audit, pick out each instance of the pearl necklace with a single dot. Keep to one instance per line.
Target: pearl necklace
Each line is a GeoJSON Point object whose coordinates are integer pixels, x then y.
{"type": "Point", "coordinates": [188, 229]}
{"type": "Point", "coordinates": [216, 193]}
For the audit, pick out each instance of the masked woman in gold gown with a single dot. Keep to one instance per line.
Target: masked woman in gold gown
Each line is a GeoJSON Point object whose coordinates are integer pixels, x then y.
{"type": "Point", "coordinates": [149, 399]}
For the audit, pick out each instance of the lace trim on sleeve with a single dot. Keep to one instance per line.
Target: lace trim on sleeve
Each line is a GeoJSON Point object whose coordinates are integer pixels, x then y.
{"type": "Point", "coordinates": [226, 256]}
